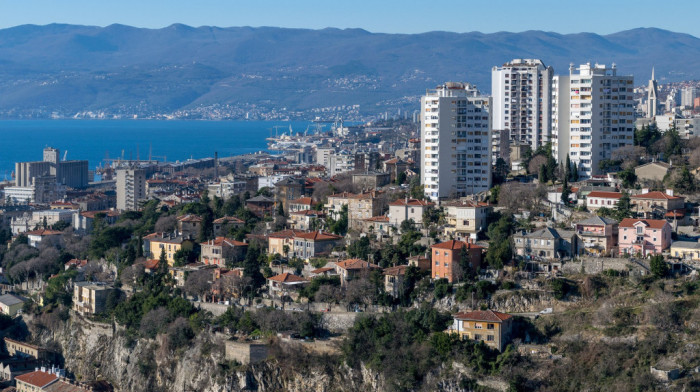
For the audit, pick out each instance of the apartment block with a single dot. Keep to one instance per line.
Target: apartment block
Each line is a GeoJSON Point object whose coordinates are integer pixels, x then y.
{"type": "Point", "coordinates": [131, 188]}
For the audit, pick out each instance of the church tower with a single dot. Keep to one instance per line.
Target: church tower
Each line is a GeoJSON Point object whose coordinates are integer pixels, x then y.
{"type": "Point", "coordinates": [652, 99]}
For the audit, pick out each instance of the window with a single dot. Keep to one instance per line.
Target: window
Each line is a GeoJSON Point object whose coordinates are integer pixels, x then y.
{"type": "Point", "coordinates": [489, 338]}
{"type": "Point", "coordinates": [477, 337]}
{"type": "Point", "coordinates": [478, 326]}
{"type": "Point", "coordinates": [489, 326]}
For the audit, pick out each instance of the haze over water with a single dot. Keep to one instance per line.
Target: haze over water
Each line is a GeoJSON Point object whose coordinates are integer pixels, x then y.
{"type": "Point", "coordinates": [23, 140]}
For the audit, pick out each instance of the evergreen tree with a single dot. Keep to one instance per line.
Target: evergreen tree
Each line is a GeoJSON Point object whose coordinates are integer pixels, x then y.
{"type": "Point", "coordinates": [465, 264]}
{"type": "Point", "coordinates": [543, 174]}
{"type": "Point", "coordinates": [567, 173]}
{"type": "Point", "coordinates": [565, 192]}
{"type": "Point", "coordinates": [280, 209]}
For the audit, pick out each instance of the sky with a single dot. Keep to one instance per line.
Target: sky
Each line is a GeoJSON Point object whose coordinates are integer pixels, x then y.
{"type": "Point", "coordinates": [382, 16]}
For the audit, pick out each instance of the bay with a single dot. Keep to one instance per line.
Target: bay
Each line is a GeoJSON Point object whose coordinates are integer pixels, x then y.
{"type": "Point", "coordinates": [95, 140]}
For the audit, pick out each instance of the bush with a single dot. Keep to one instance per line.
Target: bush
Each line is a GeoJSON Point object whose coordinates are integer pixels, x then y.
{"type": "Point", "coordinates": [442, 288]}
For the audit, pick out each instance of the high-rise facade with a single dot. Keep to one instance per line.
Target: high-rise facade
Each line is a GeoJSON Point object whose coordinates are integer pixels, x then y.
{"type": "Point", "coordinates": [592, 115]}
{"type": "Point", "coordinates": [455, 141]}
{"type": "Point", "coordinates": [522, 93]}
{"type": "Point", "coordinates": [131, 188]}
{"type": "Point", "coordinates": [73, 174]}
{"type": "Point", "coordinates": [688, 95]}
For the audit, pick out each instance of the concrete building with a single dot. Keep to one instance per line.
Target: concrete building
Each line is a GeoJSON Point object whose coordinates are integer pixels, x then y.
{"type": "Point", "coordinates": [644, 236]}
{"type": "Point", "coordinates": [222, 251]}
{"type": "Point", "coordinates": [73, 174]}
{"type": "Point", "coordinates": [522, 93]}
{"type": "Point", "coordinates": [446, 257]}
{"type": "Point", "coordinates": [592, 115]}
{"type": "Point", "coordinates": [131, 188]}
{"type": "Point", "coordinates": [598, 235]}
{"type": "Point", "coordinates": [652, 97]}
{"type": "Point", "coordinates": [15, 348]}
{"type": "Point", "coordinates": [546, 244]}
{"type": "Point", "coordinates": [492, 328]}
{"type": "Point", "coordinates": [688, 95]}
{"type": "Point", "coordinates": [11, 304]}
{"type": "Point", "coordinates": [90, 297]}
{"type": "Point", "coordinates": [456, 141]}
{"type": "Point", "coordinates": [408, 209]}
{"type": "Point", "coordinates": [466, 218]}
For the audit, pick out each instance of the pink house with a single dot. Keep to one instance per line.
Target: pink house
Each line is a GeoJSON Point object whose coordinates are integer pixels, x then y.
{"type": "Point", "coordinates": [644, 236]}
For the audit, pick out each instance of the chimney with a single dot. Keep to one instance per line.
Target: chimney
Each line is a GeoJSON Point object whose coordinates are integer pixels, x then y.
{"type": "Point", "coordinates": [645, 190]}
{"type": "Point", "coordinates": [669, 192]}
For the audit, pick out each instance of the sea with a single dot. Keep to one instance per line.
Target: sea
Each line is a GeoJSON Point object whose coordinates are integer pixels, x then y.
{"type": "Point", "coordinates": [97, 140]}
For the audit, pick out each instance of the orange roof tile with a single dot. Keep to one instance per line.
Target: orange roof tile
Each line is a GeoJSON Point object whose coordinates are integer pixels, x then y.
{"type": "Point", "coordinates": [223, 241]}
{"type": "Point", "coordinates": [653, 223]}
{"type": "Point", "coordinates": [43, 232]}
{"type": "Point", "coordinates": [453, 244]}
{"type": "Point", "coordinates": [356, 264]}
{"type": "Point", "coordinates": [287, 278]}
{"type": "Point", "coordinates": [37, 378]}
{"type": "Point", "coordinates": [318, 236]}
{"type": "Point", "coordinates": [228, 219]}
{"type": "Point", "coordinates": [307, 201]}
{"type": "Point", "coordinates": [656, 195]}
{"type": "Point", "coordinates": [395, 271]}
{"type": "Point", "coordinates": [607, 195]}
{"type": "Point", "coordinates": [483, 315]}
{"type": "Point", "coordinates": [322, 270]}
{"type": "Point", "coordinates": [411, 202]}
{"type": "Point", "coordinates": [189, 218]}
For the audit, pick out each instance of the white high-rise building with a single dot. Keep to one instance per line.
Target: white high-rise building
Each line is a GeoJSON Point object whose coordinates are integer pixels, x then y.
{"type": "Point", "coordinates": [131, 188]}
{"type": "Point", "coordinates": [592, 115]}
{"type": "Point", "coordinates": [455, 141]}
{"type": "Point", "coordinates": [652, 97]}
{"type": "Point", "coordinates": [522, 93]}
{"type": "Point", "coordinates": [688, 95]}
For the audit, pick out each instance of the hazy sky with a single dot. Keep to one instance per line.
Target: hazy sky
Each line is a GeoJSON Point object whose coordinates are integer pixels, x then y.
{"type": "Point", "coordinates": [390, 16]}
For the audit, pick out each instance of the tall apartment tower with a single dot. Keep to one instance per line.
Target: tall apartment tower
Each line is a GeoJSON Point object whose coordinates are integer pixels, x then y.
{"type": "Point", "coordinates": [652, 97]}
{"type": "Point", "coordinates": [592, 115]}
{"type": "Point", "coordinates": [131, 188]}
{"type": "Point", "coordinates": [455, 141]}
{"type": "Point", "coordinates": [522, 93]}
{"type": "Point", "coordinates": [688, 95]}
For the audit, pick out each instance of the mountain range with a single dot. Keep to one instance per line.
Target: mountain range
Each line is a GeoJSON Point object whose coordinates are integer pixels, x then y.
{"type": "Point", "coordinates": [212, 72]}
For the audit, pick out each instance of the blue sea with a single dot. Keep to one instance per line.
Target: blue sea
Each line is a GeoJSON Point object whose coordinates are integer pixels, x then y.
{"type": "Point", "coordinates": [95, 140]}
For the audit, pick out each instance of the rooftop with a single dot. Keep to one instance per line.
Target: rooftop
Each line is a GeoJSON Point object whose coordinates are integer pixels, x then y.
{"type": "Point", "coordinates": [37, 378]}
{"type": "Point", "coordinates": [356, 264]}
{"type": "Point", "coordinates": [288, 278]}
{"type": "Point", "coordinates": [453, 244]}
{"type": "Point", "coordinates": [483, 315]}
{"type": "Point", "coordinates": [656, 195]}
{"type": "Point", "coordinates": [653, 223]}
{"type": "Point", "coordinates": [608, 195]}
{"type": "Point", "coordinates": [411, 202]}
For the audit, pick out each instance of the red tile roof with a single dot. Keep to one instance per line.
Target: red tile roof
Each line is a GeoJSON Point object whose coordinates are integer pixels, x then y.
{"type": "Point", "coordinates": [228, 219]}
{"type": "Point", "coordinates": [151, 264]}
{"type": "Point", "coordinates": [189, 218]}
{"type": "Point", "coordinates": [395, 271]}
{"type": "Point", "coordinates": [453, 244]}
{"type": "Point", "coordinates": [37, 378]}
{"type": "Point", "coordinates": [483, 315]}
{"type": "Point", "coordinates": [307, 201]}
{"type": "Point", "coordinates": [318, 236]}
{"type": "Point", "coordinates": [76, 263]}
{"type": "Point", "coordinates": [285, 234]}
{"type": "Point", "coordinates": [223, 241]}
{"type": "Point", "coordinates": [656, 195]}
{"type": "Point", "coordinates": [356, 264]}
{"type": "Point", "coordinates": [607, 195]}
{"type": "Point", "coordinates": [43, 232]}
{"type": "Point", "coordinates": [653, 223]}
{"type": "Point", "coordinates": [322, 270]}
{"type": "Point", "coordinates": [411, 202]}
{"type": "Point", "coordinates": [91, 214]}
{"type": "Point", "coordinates": [380, 218]}
{"type": "Point", "coordinates": [308, 213]}
{"type": "Point", "coordinates": [287, 278]}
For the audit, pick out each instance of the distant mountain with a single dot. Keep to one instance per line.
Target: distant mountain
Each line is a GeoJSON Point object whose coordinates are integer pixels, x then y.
{"type": "Point", "coordinates": [226, 72]}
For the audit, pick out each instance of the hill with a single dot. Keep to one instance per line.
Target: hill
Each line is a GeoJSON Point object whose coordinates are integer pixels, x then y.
{"type": "Point", "coordinates": [217, 72]}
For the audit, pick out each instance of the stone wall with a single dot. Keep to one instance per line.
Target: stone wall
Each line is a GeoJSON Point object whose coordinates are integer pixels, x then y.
{"type": "Point", "coordinates": [246, 353]}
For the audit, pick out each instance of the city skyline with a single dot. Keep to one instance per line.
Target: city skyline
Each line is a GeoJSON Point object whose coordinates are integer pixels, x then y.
{"type": "Point", "coordinates": [378, 17]}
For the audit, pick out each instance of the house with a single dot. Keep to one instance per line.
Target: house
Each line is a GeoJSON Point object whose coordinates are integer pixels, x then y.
{"type": "Point", "coordinates": [52, 237]}
{"type": "Point", "coordinates": [653, 171]}
{"type": "Point", "coordinates": [156, 243]}
{"type": "Point", "coordinates": [13, 367]}
{"type": "Point", "coordinates": [223, 225]}
{"type": "Point", "coordinates": [655, 205]}
{"type": "Point", "coordinates": [547, 244]}
{"type": "Point", "coordinates": [260, 205]}
{"type": "Point", "coordinates": [446, 258]}
{"type": "Point", "coordinates": [360, 206]}
{"type": "Point", "coordinates": [554, 195]}
{"type": "Point", "coordinates": [353, 268]}
{"type": "Point", "coordinates": [599, 199]}
{"type": "Point", "coordinates": [75, 263]}
{"type": "Point", "coordinates": [405, 209]}
{"type": "Point", "coordinates": [323, 271]}
{"type": "Point", "coordinates": [598, 235]}
{"type": "Point", "coordinates": [394, 166]}
{"type": "Point", "coordinates": [188, 226]}
{"type": "Point", "coordinates": [305, 219]}
{"type": "Point", "coordinates": [91, 297]}
{"type": "Point", "coordinates": [465, 218]}
{"type": "Point", "coordinates": [284, 284]}
{"type": "Point", "coordinates": [222, 251]}
{"type": "Point", "coordinates": [281, 242]}
{"type": "Point", "coordinates": [491, 327]}
{"type": "Point", "coordinates": [35, 381]}
{"type": "Point", "coordinates": [290, 189]}
{"type": "Point", "coordinates": [300, 204]}
{"type": "Point", "coordinates": [180, 274]}
{"type": "Point", "coordinates": [686, 250]}
{"type": "Point", "coordinates": [84, 221]}
{"type": "Point", "coordinates": [394, 280]}
{"type": "Point", "coordinates": [15, 348]}
{"type": "Point", "coordinates": [377, 225]}
{"type": "Point", "coordinates": [644, 236]}
{"type": "Point", "coordinates": [11, 304]}
{"type": "Point", "coordinates": [371, 180]}
{"type": "Point", "coordinates": [315, 243]}
{"type": "Point", "coordinates": [422, 262]}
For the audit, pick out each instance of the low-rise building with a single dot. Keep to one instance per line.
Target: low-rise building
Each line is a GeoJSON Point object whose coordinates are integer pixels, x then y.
{"type": "Point", "coordinates": [11, 304]}
{"type": "Point", "coordinates": [686, 250]}
{"type": "Point", "coordinates": [598, 235]}
{"type": "Point", "coordinates": [371, 180]}
{"type": "Point", "coordinates": [644, 236]}
{"type": "Point", "coordinates": [546, 244]}
{"type": "Point", "coordinates": [84, 221]}
{"type": "Point", "coordinates": [446, 258]}
{"type": "Point", "coordinates": [314, 244]}
{"type": "Point", "coordinates": [353, 268]}
{"type": "Point", "coordinates": [421, 262]}
{"type": "Point", "coordinates": [15, 348]}
{"type": "Point", "coordinates": [222, 251]}
{"type": "Point", "coordinates": [285, 284]}
{"type": "Point", "coordinates": [35, 381]}
{"type": "Point", "coordinates": [260, 205]}
{"type": "Point", "coordinates": [402, 210]}
{"type": "Point", "coordinates": [167, 243]}
{"type": "Point", "coordinates": [300, 204]}
{"type": "Point", "coordinates": [465, 218]}
{"type": "Point", "coordinates": [599, 199]}
{"type": "Point", "coordinates": [188, 226]}
{"type": "Point", "coordinates": [224, 225]}
{"type": "Point", "coordinates": [52, 237]}
{"type": "Point", "coordinates": [91, 297]}
{"type": "Point", "coordinates": [394, 278]}
{"type": "Point", "coordinates": [305, 219]}
{"type": "Point", "coordinates": [360, 206]}
{"type": "Point", "coordinates": [655, 205]}
{"type": "Point", "coordinates": [653, 171]}
{"type": "Point", "coordinates": [491, 327]}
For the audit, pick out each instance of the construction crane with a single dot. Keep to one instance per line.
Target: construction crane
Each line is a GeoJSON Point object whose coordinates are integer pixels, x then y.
{"type": "Point", "coordinates": [65, 155]}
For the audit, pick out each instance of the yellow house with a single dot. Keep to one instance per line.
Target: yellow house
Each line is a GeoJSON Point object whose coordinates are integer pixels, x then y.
{"type": "Point", "coordinates": [10, 304]}
{"type": "Point", "coordinates": [688, 250]}
{"type": "Point", "coordinates": [157, 243]}
{"type": "Point", "coordinates": [493, 328]}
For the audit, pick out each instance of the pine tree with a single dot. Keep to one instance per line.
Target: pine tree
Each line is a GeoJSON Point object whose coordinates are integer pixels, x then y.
{"type": "Point", "coordinates": [565, 192]}
{"type": "Point", "coordinates": [568, 174]}
{"type": "Point", "coordinates": [543, 174]}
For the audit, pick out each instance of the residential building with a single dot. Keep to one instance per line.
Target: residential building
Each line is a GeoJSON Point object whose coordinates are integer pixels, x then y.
{"type": "Point", "coordinates": [456, 141]}
{"type": "Point", "coordinates": [686, 250]}
{"type": "Point", "coordinates": [131, 189]}
{"type": "Point", "coordinates": [408, 209]}
{"type": "Point", "coordinates": [223, 225]}
{"type": "Point", "coordinates": [644, 236]}
{"type": "Point", "coordinates": [361, 206]}
{"type": "Point", "coordinates": [522, 94]}
{"type": "Point", "coordinates": [284, 284]}
{"type": "Point", "coordinates": [281, 242]}
{"type": "Point", "coordinates": [11, 304]}
{"type": "Point", "coordinates": [222, 251]}
{"type": "Point", "coordinates": [599, 199]}
{"type": "Point", "coordinates": [394, 280]}
{"type": "Point", "coordinates": [36, 237]}
{"type": "Point", "coordinates": [353, 268]}
{"type": "Point", "coordinates": [90, 297]}
{"type": "Point", "coordinates": [227, 187]}
{"type": "Point", "coordinates": [305, 219]}
{"type": "Point", "coordinates": [592, 116]}
{"type": "Point", "coordinates": [290, 189]}
{"type": "Point", "coordinates": [466, 218]}
{"type": "Point", "coordinates": [598, 235]}
{"type": "Point", "coordinates": [260, 205]}
{"type": "Point", "coordinates": [446, 258]}
{"type": "Point", "coordinates": [301, 204]}
{"type": "Point", "coordinates": [35, 381]}
{"type": "Point", "coordinates": [157, 243]}
{"type": "Point", "coordinates": [688, 95]}
{"type": "Point", "coordinates": [546, 244]}
{"type": "Point", "coordinates": [15, 348]}
{"type": "Point", "coordinates": [83, 222]}
{"type": "Point", "coordinates": [371, 180]}
{"type": "Point", "coordinates": [656, 204]}
{"type": "Point", "coordinates": [491, 327]}
{"type": "Point", "coordinates": [653, 171]}
{"type": "Point", "coordinates": [314, 244]}
{"type": "Point", "coordinates": [189, 226]}
{"type": "Point", "coordinates": [421, 262]}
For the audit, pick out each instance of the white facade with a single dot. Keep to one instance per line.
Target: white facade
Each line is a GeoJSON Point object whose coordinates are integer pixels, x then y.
{"type": "Point", "coordinates": [522, 93]}
{"type": "Point", "coordinates": [592, 116]}
{"type": "Point", "coordinates": [688, 95]}
{"type": "Point", "coordinates": [455, 141]}
{"type": "Point", "coordinates": [226, 188]}
{"type": "Point", "coordinates": [131, 188]}
{"type": "Point", "coordinates": [19, 194]}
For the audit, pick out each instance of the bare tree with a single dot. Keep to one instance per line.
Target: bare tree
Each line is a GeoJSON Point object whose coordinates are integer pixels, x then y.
{"type": "Point", "coordinates": [166, 224]}
{"type": "Point", "coordinates": [198, 283]}
{"type": "Point", "coordinates": [360, 291]}
{"type": "Point", "coordinates": [328, 294]}
{"type": "Point", "coordinates": [154, 322]}
{"type": "Point", "coordinates": [629, 155]}
{"type": "Point", "coordinates": [132, 275]}
{"type": "Point", "coordinates": [535, 163]}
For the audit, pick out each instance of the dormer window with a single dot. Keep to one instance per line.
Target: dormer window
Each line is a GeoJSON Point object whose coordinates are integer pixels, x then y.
{"type": "Point", "coordinates": [640, 229]}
